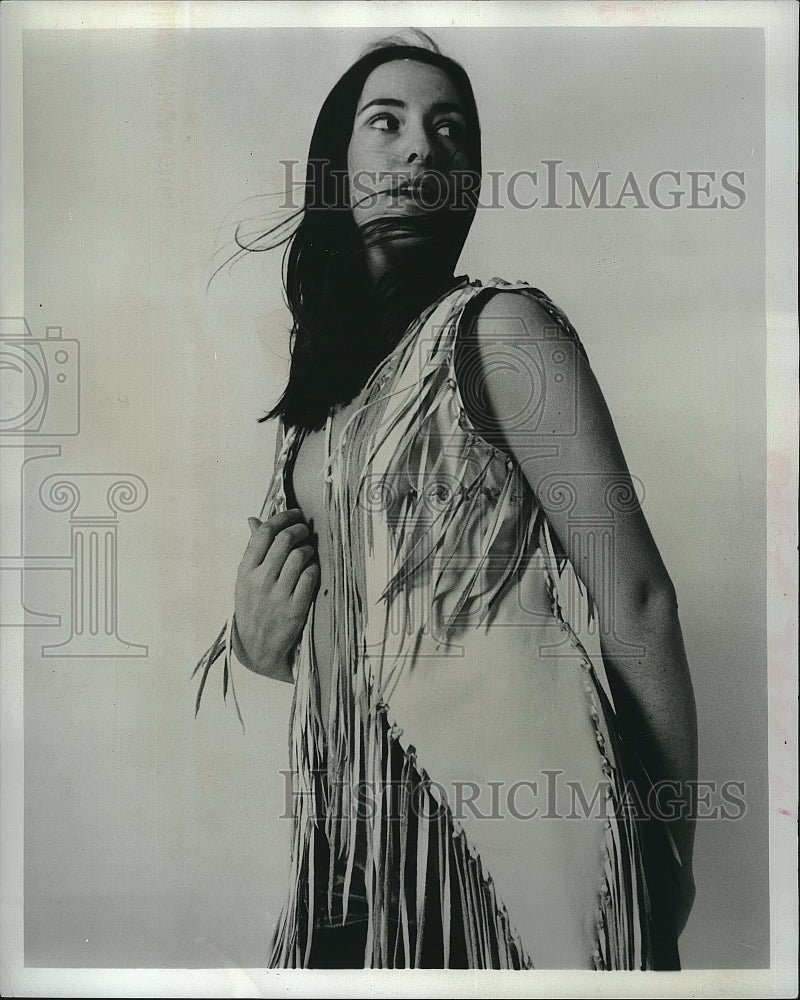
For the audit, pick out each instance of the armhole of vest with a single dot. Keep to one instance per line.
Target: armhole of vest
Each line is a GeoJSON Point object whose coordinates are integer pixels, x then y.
{"type": "Point", "coordinates": [280, 440]}
{"type": "Point", "coordinates": [466, 317]}
{"type": "Point", "coordinates": [276, 491]}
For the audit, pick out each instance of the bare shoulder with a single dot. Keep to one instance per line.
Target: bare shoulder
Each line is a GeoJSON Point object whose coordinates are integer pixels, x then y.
{"type": "Point", "coordinates": [520, 360]}
{"type": "Point", "coordinates": [523, 318]}
{"type": "Point", "coordinates": [519, 305]}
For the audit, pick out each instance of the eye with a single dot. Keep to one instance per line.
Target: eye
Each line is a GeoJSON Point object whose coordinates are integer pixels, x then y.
{"type": "Point", "coordinates": [384, 122]}
{"type": "Point", "coordinates": [450, 129]}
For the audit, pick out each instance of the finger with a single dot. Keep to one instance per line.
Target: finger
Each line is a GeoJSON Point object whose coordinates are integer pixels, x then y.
{"type": "Point", "coordinates": [287, 539]}
{"type": "Point", "coordinates": [306, 586]}
{"type": "Point", "coordinates": [254, 524]}
{"type": "Point", "coordinates": [296, 562]}
{"type": "Point", "coordinates": [262, 537]}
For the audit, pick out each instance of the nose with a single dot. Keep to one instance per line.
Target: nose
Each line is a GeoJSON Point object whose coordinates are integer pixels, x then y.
{"type": "Point", "coordinates": [420, 148]}
{"type": "Point", "coordinates": [425, 158]}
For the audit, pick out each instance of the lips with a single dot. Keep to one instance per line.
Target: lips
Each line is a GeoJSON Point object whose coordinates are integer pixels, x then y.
{"type": "Point", "coordinates": [428, 188]}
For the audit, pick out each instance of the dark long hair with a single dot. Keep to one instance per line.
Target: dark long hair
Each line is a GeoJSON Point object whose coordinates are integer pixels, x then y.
{"type": "Point", "coordinates": [342, 325]}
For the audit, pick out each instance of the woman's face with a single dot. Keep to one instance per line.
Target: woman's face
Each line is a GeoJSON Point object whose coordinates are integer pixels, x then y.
{"type": "Point", "coordinates": [408, 139]}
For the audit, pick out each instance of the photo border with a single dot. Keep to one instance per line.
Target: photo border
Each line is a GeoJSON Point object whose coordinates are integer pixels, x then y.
{"type": "Point", "coordinates": [779, 21]}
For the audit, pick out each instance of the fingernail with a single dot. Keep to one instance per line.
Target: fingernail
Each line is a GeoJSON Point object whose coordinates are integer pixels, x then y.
{"type": "Point", "coordinates": [253, 523]}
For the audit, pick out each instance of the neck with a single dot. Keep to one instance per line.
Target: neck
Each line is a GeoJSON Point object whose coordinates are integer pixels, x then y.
{"type": "Point", "coordinates": [409, 262]}
{"type": "Point", "coordinates": [416, 246]}
{"type": "Point", "coordinates": [403, 285]}
{"type": "Point", "coordinates": [406, 257]}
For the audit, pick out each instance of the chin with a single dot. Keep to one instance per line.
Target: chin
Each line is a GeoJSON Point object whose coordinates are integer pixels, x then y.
{"type": "Point", "coordinates": [402, 211]}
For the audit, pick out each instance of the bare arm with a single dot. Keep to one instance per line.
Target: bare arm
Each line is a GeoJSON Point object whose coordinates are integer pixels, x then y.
{"type": "Point", "coordinates": [631, 589]}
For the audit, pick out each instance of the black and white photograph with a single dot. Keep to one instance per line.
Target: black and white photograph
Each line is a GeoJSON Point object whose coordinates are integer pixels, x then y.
{"type": "Point", "coordinates": [398, 564]}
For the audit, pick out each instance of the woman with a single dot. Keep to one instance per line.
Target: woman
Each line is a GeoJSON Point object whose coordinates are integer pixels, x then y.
{"type": "Point", "coordinates": [445, 462]}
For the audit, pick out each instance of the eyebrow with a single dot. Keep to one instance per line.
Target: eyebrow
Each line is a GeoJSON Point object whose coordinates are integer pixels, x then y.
{"type": "Point", "coordinates": [393, 102]}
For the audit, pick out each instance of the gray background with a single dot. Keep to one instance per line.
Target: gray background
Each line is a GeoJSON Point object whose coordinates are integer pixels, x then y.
{"type": "Point", "coordinates": [151, 839]}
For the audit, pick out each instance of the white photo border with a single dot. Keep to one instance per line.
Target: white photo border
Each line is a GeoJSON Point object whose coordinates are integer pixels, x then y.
{"type": "Point", "coordinates": [779, 21]}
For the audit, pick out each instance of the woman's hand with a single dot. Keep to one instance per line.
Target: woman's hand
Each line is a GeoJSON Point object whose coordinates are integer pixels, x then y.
{"type": "Point", "coordinates": [275, 586]}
